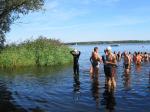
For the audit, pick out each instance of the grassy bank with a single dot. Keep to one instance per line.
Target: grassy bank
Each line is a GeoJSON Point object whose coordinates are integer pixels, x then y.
{"type": "Point", "coordinates": [40, 52]}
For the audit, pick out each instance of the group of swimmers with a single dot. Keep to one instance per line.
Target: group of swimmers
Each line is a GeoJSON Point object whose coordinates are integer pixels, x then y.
{"type": "Point", "coordinates": [109, 60]}
{"type": "Point", "coordinates": [110, 63]}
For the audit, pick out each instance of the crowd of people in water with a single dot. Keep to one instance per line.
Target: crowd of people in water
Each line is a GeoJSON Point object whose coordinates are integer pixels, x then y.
{"type": "Point", "coordinates": [109, 60]}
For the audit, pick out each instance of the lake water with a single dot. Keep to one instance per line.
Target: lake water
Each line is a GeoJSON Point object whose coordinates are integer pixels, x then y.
{"type": "Point", "coordinates": [55, 89]}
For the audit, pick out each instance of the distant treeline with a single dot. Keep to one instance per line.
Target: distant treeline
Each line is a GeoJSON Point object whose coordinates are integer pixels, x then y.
{"type": "Point", "coordinates": [108, 42]}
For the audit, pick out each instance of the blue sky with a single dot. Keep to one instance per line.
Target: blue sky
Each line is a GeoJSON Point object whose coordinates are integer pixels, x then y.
{"type": "Point", "coordinates": [86, 20]}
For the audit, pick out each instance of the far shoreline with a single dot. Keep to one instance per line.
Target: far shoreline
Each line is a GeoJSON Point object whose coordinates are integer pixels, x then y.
{"type": "Point", "coordinates": [109, 42]}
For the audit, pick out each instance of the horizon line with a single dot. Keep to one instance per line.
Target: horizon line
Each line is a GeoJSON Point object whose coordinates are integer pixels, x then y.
{"type": "Point", "coordinates": [107, 41]}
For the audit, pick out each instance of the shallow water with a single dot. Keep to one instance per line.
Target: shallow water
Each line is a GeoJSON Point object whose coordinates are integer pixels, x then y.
{"type": "Point", "coordinates": [56, 89]}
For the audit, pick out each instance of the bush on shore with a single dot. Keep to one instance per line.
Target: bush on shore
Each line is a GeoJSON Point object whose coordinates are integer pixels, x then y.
{"type": "Point", "coordinates": [40, 52]}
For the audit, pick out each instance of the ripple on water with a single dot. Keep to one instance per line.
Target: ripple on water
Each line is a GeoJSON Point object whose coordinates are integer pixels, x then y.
{"type": "Point", "coordinates": [58, 90]}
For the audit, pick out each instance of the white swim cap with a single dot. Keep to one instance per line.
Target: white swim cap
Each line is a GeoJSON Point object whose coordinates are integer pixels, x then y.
{"type": "Point", "coordinates": [75, 50]}
{"type": "Point", "coordinates": [108, 48]}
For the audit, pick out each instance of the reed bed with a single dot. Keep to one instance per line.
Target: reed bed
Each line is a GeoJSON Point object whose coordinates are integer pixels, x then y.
{"type": "Point", "coordinates": [39, 52]}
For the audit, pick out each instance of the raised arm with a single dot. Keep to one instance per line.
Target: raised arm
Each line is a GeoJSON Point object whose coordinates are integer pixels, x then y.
{"type": "Point", "coordinates": [79, 53]}
{"type": "Point", "coordinates": [71, 52]}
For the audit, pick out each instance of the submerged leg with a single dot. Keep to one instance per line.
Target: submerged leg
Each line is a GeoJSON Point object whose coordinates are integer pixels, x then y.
{"type": "Point", "coordinates": [109, 82]}
{"type": "Point", "coordinates": [74, 69]}
{"type": "Point", "coordinates": [77, 68]}
{"type": "Point", "coordinates": [114, 82]}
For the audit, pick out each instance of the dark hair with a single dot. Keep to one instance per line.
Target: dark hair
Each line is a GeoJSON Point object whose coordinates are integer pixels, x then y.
{"type": "Point", "coordinates": [95, 48]}
{"type": "Point", "coordinates": [104, 51]}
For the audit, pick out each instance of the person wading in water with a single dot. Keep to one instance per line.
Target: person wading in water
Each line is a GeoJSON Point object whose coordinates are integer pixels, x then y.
{"type": "Point", "coordinates": [76, 54]}
{"type": "Point", "coordinates": [95, 59]}
{"type": "Point", "coordinates": [127, 62]}
{"type": "Point", "coordinates": [105, 66]}
{"type": "Point", "coordinates": [138, 59]}
{"type": "Point", "coordinates": [111, 64]}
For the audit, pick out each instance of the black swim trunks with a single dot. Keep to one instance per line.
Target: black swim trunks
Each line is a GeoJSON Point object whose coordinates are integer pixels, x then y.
{"type": "Point", "coordinates": [126, 66]}
{"type": "Point", "coordinates": [109, 70]}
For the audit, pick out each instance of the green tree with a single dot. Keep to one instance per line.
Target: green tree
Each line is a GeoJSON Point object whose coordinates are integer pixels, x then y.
{"type": "Point", "coordinates": [10, 10]}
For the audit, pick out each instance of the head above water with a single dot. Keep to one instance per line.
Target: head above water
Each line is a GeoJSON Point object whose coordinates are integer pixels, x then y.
{"type": "Point", "coordinates": [125, 53]}
{"type": "Point", "coordinates": [95, 49]}
{"type": "Point", "coordinates": [108, 49]}
{"type": "Point", "coordinates": [75, 50]}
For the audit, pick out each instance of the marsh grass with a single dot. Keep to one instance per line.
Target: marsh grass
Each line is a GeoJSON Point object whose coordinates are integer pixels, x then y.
{"type": "Point", "coordinates": [40, 52]}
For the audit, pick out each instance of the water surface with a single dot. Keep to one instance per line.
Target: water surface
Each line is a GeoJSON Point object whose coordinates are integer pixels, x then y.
{"type": "Point", "coordinates": [56, 89]}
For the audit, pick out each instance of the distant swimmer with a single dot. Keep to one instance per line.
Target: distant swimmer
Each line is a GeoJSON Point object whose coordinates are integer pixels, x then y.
{"type": "Point", "coordinates": [142, 55]}
{"type": "Point", "coordinates": [115, 54]}
{"type": "Point", "coordinates": [146, 57]}
{"type": "Point", "coordinates": [138, 59]}
{"type": "Point", "coordinates": [76, 54]}
{"type": "Point", "coordinates": [119, 56]}
{"type": "Point", "coordinates": [95, 59]}
{"type": "Point", "coordinates": [130, 56]}
{"type": "Point", "coordinates": [134, 57]}
{"type": "Point", "coordinates": [111, 64]}
{"type": "Point", "coordinates": [127, 62]}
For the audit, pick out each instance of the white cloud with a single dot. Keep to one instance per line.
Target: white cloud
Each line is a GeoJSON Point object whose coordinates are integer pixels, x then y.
{"type": "Point", "coordinates": [99, 2]}
{"type": "Point", "coordinates": [51, 5]}
{"type": "Point", "coordinates": [65, 9]}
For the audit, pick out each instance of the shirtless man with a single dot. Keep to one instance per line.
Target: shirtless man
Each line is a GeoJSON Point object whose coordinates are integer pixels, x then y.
{"type": "Point", "coordinates": [119, 56]}
{"type": "Point", "coordinates": [95, 59]}
{"type": "Point", "coordinates": [111, 64]}
{"type": "Point", "coordinates": [116, 55]}
{"type": "Point", "coordinates": [138, 59]}
{"type": "Point", "coordinates": [134, 57]}
{"type": "Point", "coordinates": [130, 56]}
{"type": "Point", "coordinates": [127, 62]}
{"type": "Point", "coordinates": [146, 57]}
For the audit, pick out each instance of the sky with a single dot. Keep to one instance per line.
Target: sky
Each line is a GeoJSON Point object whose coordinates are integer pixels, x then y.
{"type": "Point", "coordinates": [85, 20]}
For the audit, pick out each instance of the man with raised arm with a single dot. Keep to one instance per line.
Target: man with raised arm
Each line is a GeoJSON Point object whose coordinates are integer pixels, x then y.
{"type": "Point", "coordinates": [76, 54]}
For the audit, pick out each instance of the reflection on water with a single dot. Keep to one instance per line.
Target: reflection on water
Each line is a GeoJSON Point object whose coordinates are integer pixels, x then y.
{"type": "Point", "coordinates": [56, 89]}
{"type": "Point", "coordinates": [127, 81]}
{"type": "Point", "coordinates": [138, 68]}
{"type": "Point", "coordinates": [6, 100]}
{"type": "Point", "coordinates": [149, 80]}
{"type": "Point", "coordinates": [76, 87]}
{"type": "Point", "coordinates": [109, 99]}
{"type": "Point", "coordinates": [95, 89]}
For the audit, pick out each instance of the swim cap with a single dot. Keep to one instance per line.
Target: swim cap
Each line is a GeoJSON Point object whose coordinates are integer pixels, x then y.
{"type": "Point", "coordinates": [108, 48]}
{"type": "Point", "coordinates": [75, 50]}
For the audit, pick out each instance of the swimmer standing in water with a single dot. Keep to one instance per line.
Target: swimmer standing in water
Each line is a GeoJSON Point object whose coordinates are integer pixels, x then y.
{"type": "Point", "coordinates": [105, 67]}
{"type": "Point", "coordinates": [127, 62]}
{"type": "Point", "coordinates": [146, 58]}
{"type": "Point", "coordinates": [111, 64]}
{"type": "Point", "coordinates": [119, 56]}
{"type": "Point", "coordinates": [95, 59]}
{"type": "Point", "coordinates": [76, 54]}
{"type": "Point", "coordinates": [138, 59]}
